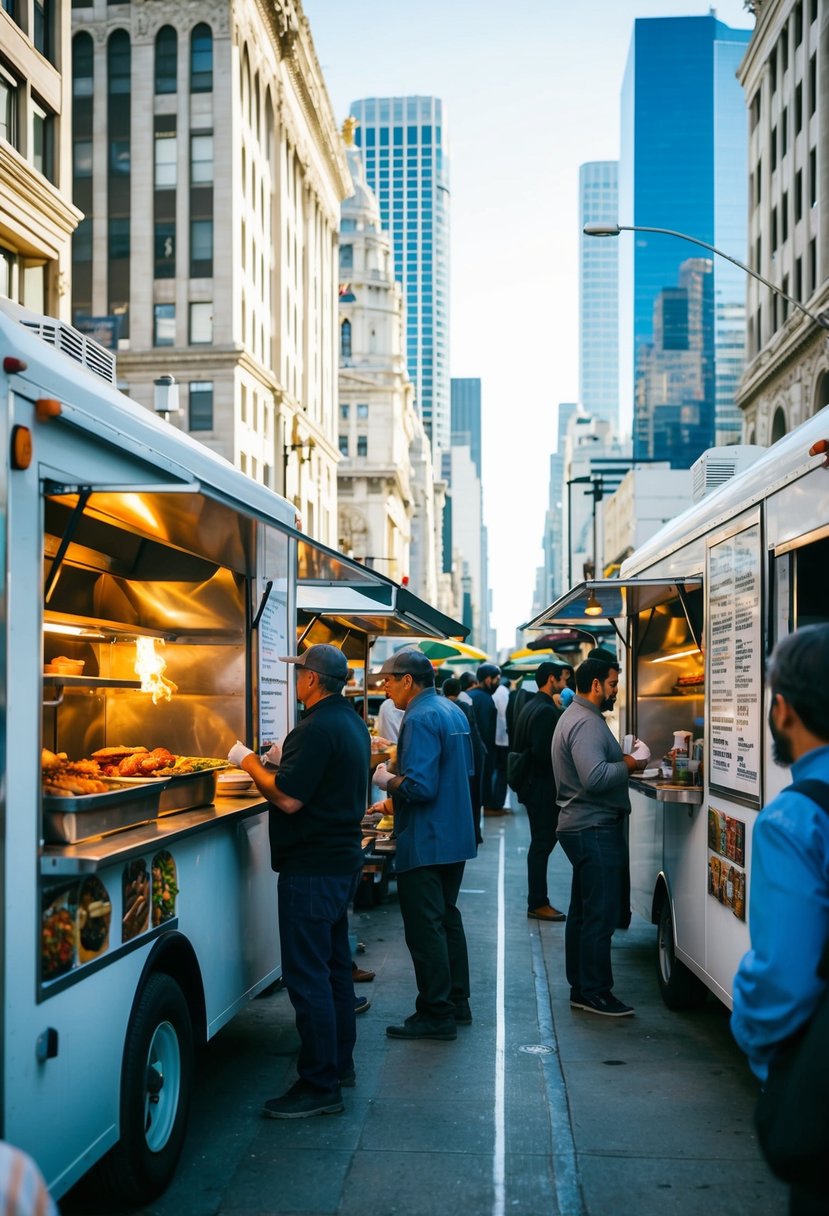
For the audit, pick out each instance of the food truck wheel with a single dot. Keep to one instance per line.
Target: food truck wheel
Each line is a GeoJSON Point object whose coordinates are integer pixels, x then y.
{"type": "Point", "coordinates": [156, 1081]}
{"type": "Point", "coordinates": [680, 988]}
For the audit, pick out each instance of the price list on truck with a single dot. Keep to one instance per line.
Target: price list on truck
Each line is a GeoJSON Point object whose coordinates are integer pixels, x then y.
{"type": "Point", "coordinates": [734, 652]}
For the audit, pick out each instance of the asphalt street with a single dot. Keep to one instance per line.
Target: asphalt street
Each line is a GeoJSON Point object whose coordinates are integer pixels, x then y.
{"type": "Point", "coordinates": [534, 1110]}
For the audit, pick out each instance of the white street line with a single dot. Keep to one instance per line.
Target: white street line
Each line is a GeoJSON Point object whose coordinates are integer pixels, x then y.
{"type": "Point", "coordinates": [500, 1039]}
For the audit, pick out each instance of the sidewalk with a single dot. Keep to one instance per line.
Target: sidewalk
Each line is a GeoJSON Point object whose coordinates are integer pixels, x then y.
{"type": "Point", "coordinates": [656, 1112]}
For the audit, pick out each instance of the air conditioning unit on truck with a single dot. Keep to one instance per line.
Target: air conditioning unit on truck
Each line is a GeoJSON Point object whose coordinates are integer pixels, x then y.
{"type": "Point", "coordinates": [145, 587]}
{"type": "Point", "coordinates": [700, 606]}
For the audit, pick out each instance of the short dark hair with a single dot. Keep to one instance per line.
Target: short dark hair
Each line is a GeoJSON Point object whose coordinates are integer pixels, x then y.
{"type": "Point", "coordinates": [467, 680]}
{"type": "Point", "coordinates": [451, 687]}
{"type": "Point", "coordinates": [604, 653]}
{"type": "Point", "coordinates": [330, 683]}
{"type": "Point", "coordinates": [794, 672]}
{"type": "Point", "coordinates": [424, 678]}
{"type": "Point", "coordinates": [486, 670]}
{"type": "Point", "coordinates": [590, 670]}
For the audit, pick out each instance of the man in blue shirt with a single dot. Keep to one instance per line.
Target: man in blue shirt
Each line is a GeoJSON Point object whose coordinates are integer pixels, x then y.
{"type": "Point", "coordinates": [777, 988]}
{"type": "Point", "coordinates": [435, 835]}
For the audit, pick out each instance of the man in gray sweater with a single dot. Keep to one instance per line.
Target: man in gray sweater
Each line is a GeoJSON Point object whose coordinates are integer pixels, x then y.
{"type": "Point", "coordinates": [592, 781]}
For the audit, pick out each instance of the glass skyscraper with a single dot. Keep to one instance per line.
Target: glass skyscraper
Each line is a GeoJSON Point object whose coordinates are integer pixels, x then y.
{"type": "Point", "coordinates": [683, 166]}
{"type": "Point", "coordinates": [466, 414]}
{"type": "Point", "coordinates": [405, 151]}
{"type": "Point", "coordinates": [599, 293]}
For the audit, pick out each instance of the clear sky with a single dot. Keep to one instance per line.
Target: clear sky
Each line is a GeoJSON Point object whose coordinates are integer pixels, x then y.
{"type": "Point", "coordinates": [532, 88]}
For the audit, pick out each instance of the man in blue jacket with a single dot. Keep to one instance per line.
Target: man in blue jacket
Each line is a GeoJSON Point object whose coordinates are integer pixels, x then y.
{"type": "Point", "coordinates": [777, 988]}
{"type": "Point", "coordinates": [433, 826]}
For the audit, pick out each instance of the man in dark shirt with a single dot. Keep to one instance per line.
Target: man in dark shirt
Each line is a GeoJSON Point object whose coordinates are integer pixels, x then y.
{"type": "Point", "coordinates": [486, 715]}
{"type": "Point", "coordinates": [534, 733]}
{"type": "Point", "coordinates": [318, 797]}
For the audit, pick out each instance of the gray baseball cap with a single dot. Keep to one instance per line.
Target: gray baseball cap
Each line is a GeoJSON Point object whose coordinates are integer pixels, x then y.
{"type": "Point", "coordinates": [325, 660]}
{"type": "Point", "coordinates": [407, 663]}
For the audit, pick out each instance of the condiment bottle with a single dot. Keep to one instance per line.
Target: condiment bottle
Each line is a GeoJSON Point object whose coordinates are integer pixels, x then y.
{"type": "Point", "coordinates": [681, 773]}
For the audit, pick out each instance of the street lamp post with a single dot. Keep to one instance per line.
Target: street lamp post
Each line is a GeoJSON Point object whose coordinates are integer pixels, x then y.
{"type": "Point", "coordinates": [821, 319]}
{"type": "Point", "coordinates": [597, 492]}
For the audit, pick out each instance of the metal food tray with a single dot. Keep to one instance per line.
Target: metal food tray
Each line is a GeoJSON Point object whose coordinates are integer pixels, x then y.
{"type": "Point", "coordinates": [75, 818]}
{"type": "Point", "coordinates": [180, 791]}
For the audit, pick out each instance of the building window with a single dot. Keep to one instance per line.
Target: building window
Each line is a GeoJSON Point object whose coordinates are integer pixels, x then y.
{"type": "Point", "coordinates": [813, 177]}
{"type": "Point", "coordinates": [346, 257]}
{"type": "Point", "coordinates": [362, 410]}
{"type": "Point", "coordinates": [82, 158]}
{"type": "Point", "coordinates": [345, 410]}
{"type": "Point", "coordinates": [343, 445]}
{"type": "Point", "coordinates": [784, 218]}
{"type": "Point", "coordinates": [755, 109]}
{"type": "Point", "coordinates": [43, 141]}
{"type": "Point", "coordinates": [798, 24]}
{"type": "Point", "coordinates": [812, 85]}
{"type": "Point", "coordinates": [119, 237]}
{"type": "Point", "coordinates": [798, 108]}
{"type": "Point", "coordinates": [201, 324]}
{"type": "Point", "coordinates": [784, 133]}
{"type": "Point", "coordinates": [813, 283]}
{"type": "Point", "coordinates": [201, 60]}
{"type": "Point", "coordinates": [165, 249]}
{"type": "Point", "coordinates": [362, 445]}
{"type": "Point", "coordinates": [164, 325]}
{"type": "Point", "coordinates": [166, 155]}
{"type": "Point", "coordinates": [44, 28]}
{"type": "Point", "coordinates": [201, 159]}
{"type": "Point", "coordinates": [201, 405]}
{"type": "Point", "coordinates": [201, 249]}
{"type": "Point", "coordinates": [166, 60]}
{"type": "Point", "coordinates": [345, 340]}
{"type": "Point", "coordinates": [773, 231]}
{"type": "Point", "coordinates": [8, 109]}
{"type": "Point", "coordinates": [773, 148]}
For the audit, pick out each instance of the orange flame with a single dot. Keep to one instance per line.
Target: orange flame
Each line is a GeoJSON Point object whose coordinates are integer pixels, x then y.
{"type": "Point", "coordinates": [149, 667]}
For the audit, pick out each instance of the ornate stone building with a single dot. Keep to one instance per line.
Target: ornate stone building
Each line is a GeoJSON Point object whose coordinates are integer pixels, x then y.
{"type": "Point", "coordinates": [210, 172]}
{"type": "Point", "coordinates": [786, 83]}
{"type": "Point", "coordinates": [37, 218]}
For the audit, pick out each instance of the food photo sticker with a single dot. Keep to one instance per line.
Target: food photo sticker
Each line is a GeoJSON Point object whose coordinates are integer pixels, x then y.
{"type": "Point", "coordinates": [727, 836]}
{"type": "Point", "coordinates": [136, 899]}
{"type": "Point", "coordinates": [58, 932]}
{"type": "Point", "coordinates": [94, 919]}
{"type": "Point", "coordinates": [727, 884]}
{"type": "Point", "coordinates": [164, 888]}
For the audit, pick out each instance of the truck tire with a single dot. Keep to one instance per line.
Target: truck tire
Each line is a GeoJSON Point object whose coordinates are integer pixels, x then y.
{"type": "Point", "coordinates": [156, 1084]}
{"type": "Point", "coordinates": [680, 988]}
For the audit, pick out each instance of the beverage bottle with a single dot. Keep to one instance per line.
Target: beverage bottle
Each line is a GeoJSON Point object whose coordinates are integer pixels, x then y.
{"type": "Point", "coordinates": [681, 773]}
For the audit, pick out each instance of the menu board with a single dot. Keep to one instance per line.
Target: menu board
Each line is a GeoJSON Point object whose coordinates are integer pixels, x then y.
{"type": "Point", "coordinates": [735, 660]}
{"type": "Point", "coordinates": [272, 630]}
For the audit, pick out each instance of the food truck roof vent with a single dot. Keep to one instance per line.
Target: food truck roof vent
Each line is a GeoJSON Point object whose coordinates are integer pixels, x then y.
{"type": "Point", "coordinates": [718, 465]}
{"type": "Point", "coordinates": [84, 350]}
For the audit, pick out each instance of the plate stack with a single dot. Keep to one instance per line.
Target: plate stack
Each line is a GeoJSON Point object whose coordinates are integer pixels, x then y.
{"type": "Point", "coordinates": [234, 783]}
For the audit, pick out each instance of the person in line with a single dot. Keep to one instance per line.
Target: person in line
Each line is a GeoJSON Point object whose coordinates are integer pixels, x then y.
{"type": "Point", "coordinates": [591, 776]}
{"type": "Point", "coordinates": [451, 689]}
{"type": "Point", "coordinates": [435, 838]}
{"type": "Point", "coordinates": [500, 699]}
{"type": "Point", "coordinates": [777, 988]}
{"type": "Point", "coordinates": [486, 715]}
{"type": "Point", "coordinates": [387, 722]}
{"type": "Point", "coordinates": [534, 733]}
{"type": "Point", "coordinates": [318, 799]}
{"type": "Point", "coordinates": [467, 682]}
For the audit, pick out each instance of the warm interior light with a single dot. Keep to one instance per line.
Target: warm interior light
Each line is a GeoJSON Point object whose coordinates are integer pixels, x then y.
{"type": "Point", "coordinates": [680, 654]}
{"type": "Point", "coordinates": [74, 631]}
{"type": "Point", "coordinates": [149, 667]}
{"type": "Point", "coordinates": [593, 607]}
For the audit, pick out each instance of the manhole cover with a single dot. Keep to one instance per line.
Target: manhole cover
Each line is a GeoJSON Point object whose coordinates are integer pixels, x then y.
{"type": "Point", "coordinates": [537, 1049]}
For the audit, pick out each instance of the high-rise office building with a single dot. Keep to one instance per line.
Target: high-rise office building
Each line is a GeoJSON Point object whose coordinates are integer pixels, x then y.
{"type": "Point", "coordinates": [599, 292]}
{"type": "Point", "coordinates": [404, 142]}
{"type": "Point", "coordinates": [466, 414]}
{"type": "Point", "coordinates": [682, 167]}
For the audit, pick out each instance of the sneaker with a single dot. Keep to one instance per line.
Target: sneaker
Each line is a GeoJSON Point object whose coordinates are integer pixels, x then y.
{"type": "Point", "coordinates": [576, 999]}
{"type": "Point", "coordinates": [361, 1004]}
{"type": "Point", "coordinates": [545, 912]}
{"type": "Point", "coordinates": [416, 1027]}
{"type": "Point", "coordinates": [463, 1014]}
{"type": "Point", "coordinates": [303, 1100]}
{"type": "Point", "coordinates": [349, 1078]}
{"type": "Point", "coordinates": [605, 1004]}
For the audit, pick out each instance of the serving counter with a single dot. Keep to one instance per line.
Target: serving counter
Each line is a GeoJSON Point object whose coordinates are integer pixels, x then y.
{"type": "Point", "coordinates": [667, 791]}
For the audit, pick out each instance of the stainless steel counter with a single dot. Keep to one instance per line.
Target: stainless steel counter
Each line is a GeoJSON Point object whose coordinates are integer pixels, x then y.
{"type": "Point", "coordinates": [666, 791]}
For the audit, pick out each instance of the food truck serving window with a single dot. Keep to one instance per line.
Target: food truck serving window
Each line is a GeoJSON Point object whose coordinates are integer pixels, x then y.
{"type": "Point", "coordinates": [607, 599]}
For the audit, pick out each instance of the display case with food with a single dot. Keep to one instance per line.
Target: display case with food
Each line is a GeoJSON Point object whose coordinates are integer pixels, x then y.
{"type": "Point", "coordinates": [164, 887]}
{"type": "Point", "coordinates": [94, 919]}
{"type": "Point", "coordinates": [58, 932]}
{"type": "Point", "coordinates": [187, 781]}
{"type": "Point", "coordinates": [135, 899]}
{"type": "Point", "coordinates": [79, 804]}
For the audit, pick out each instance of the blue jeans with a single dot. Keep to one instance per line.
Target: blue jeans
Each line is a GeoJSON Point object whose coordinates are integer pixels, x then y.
{"type": "Point", "coordinates": [599, 860]}
{"type": "Point", "coordinates": [316, 968]}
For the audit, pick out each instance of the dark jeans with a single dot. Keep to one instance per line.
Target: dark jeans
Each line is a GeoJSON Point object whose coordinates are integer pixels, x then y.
{"type": "Point", "coordinates": [316, 968]}
{"type": "Point", "coordinates": [542, 812]}
{"type": "Point", "coordinates": [499, 778]}
{"type": "Point", "coordinates": [487, 778]}
{"type": "Point", "coordinates": [435, 937]}
{"type": "Point", "coordinates": [599, 860]}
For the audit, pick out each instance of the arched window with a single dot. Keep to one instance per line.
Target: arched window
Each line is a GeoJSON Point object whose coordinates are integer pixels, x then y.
{"type": "Point", "coordinates": [83, 70]}
{"type": "Point", "coordinates": [166, 60]}
{"type": "Point", "coordinates": [201, 60]}
{"type": "Point", "coordinates": [118, 62]}
{"type": "Point", "coordinates": [345, 340]}
{"type": "Point", "coordinates": [821, 393]}
{"type": "Point", "coordinates": [778, 426]}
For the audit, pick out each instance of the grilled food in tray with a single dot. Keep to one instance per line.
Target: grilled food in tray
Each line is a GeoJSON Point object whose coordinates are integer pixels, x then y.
{"type": "Point", "coordinates": [141, 763]}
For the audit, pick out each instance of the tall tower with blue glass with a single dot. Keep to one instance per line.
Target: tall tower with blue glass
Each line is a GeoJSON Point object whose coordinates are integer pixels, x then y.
{"type": "Point", "coordinates": [404, 142]}
{"type": "Point", "coordinates": [599, 293]}
{"type": "Point", "coordinates": [682, 166]}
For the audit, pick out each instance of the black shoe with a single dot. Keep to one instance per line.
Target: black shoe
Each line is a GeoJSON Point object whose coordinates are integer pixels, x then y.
{"type": "Point", "coordinates": [463, 1014]}
{"type": "Point", "coordinates": [303, 1100]}
{"type": "Point", "coordinates": [349, 1078]}
{"type": "Point", "coordinates": [576, 999]}
{"type": "Point", "coordinates": [605, 1004]}
{"type": "Point", "coordinates": [416, 1027]}
{"type": "Point", "coordinates": [361, 1004]}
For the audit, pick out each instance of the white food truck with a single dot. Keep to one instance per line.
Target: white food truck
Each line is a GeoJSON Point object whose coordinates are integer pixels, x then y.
{"type": "Point", "coordinates": [698, 609]}
{"type": "Point", "coordinates": [138, 918]}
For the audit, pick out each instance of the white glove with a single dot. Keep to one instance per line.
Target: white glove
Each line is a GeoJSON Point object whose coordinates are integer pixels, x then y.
{"type": "Point", "coordinates": [273, 755]}
{"type": "Point", "coordinates": [640, 750]}
{"type": "Point", "coordinates": [238, 752]}
{"type": "Point", "coordinates": [382, 778]}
